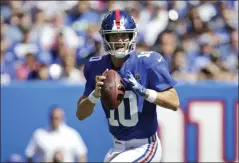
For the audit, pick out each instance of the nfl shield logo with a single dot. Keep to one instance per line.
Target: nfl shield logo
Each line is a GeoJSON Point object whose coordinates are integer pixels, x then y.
{"type": "Point", "coordinates": [137, 77]}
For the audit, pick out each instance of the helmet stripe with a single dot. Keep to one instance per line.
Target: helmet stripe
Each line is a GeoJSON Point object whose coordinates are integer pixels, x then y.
{"type": "Point", "coordinates": [117, 17]}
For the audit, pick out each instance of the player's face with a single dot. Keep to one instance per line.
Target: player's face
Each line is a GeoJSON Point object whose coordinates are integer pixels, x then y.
{"type": "Point", "coordinates": [119, 37]}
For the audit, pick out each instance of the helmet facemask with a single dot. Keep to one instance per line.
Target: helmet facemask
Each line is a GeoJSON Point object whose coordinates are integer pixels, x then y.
{"type": "Point", "coordinates": [110, 47]}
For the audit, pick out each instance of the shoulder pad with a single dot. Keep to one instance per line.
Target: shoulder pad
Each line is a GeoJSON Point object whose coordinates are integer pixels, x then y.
{"type": "Point", "coordinates": [92, 61]}
{"type": "Point", "coordinates": [150, 58]}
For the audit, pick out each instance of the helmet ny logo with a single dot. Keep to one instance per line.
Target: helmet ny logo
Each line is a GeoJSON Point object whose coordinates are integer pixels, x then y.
{"type": "Point", "coordinates": [121, 25]}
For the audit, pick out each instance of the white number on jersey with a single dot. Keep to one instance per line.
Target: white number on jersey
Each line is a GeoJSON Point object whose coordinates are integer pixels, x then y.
{"type": "Point", "coordinates": [97, 58]}
{"type": "Point", "coordinates": [145, 54]}
{"type": "Point", "coordinates": [133, 110]}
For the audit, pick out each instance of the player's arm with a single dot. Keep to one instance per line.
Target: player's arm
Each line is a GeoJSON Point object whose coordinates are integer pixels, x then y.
{"type": "Point", "coordinates": [84, 107]}
{"type": "Point", "coordinates": [86, 104]}
{"type": "Point", "coordinates": [167, 99]}
{"type": "Point", "coordinates": [160, 89]}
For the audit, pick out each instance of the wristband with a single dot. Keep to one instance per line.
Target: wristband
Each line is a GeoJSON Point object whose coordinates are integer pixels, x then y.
{"type": "Point", "coordinates": [152, 95]}
{"type": "Point", "coordinates": [92, 98]}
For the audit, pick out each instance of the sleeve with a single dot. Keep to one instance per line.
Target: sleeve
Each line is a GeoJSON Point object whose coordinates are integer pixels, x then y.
{"type": "Point", "coordinates": [31, 147]}
{"type": "Point", "coordinates": [80, 147]}
{"type": "Point", "coordinates": [159, 76]}
{"type": "Point", "coordinates": [89, 85]}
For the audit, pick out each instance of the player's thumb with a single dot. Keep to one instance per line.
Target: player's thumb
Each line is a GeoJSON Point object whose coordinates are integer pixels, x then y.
{"type": "Point", "coordinates": [105, 72]}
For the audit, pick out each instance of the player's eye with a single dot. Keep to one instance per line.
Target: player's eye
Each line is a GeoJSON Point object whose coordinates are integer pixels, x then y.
{"type": "Point", "coordinates": [124, 35]}
{"type": "Point", "coordinates": [114, 36]}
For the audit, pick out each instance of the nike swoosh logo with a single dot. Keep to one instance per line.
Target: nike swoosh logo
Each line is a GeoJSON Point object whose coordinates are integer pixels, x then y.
{"type": "Point", "coordinates": [159, 60]}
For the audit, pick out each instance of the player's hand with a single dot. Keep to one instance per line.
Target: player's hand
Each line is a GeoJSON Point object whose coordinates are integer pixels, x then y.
{"type": "Point", "coordinates": [99, 82]}
{"type": "Point", "coordinates": [136, 87]}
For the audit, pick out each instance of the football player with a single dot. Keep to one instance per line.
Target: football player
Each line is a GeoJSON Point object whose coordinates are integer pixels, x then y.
{"type": "Point", "coordinates": [133, 124]}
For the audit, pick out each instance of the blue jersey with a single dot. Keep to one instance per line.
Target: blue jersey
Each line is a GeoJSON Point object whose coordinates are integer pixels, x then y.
{"type": "Point", "coordinates": [135, 118]}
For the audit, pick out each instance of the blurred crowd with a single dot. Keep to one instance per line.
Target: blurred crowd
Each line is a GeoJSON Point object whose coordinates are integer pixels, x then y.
{"type": "Point", "coordinates": [50, 40]}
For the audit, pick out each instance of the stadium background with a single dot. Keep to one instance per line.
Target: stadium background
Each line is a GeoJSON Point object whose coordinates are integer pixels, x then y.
{"type": "Point", "coordinates": [44, 46]}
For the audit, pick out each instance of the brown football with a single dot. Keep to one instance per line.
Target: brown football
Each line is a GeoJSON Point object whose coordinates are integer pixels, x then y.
{"type": "Point", "coordinates": [112, 92]}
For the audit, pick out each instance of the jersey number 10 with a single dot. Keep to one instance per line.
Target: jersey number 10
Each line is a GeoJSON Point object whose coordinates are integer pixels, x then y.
{"type": "Point", "coordinates": [132, 109]}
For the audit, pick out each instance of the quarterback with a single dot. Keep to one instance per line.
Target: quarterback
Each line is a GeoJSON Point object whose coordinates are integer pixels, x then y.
{"type": "Point", "coordinates": [133, 124]}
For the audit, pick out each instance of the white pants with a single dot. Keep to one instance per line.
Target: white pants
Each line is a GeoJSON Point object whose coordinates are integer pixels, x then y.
{"type": "Point", "coordinates": [135, 150]}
